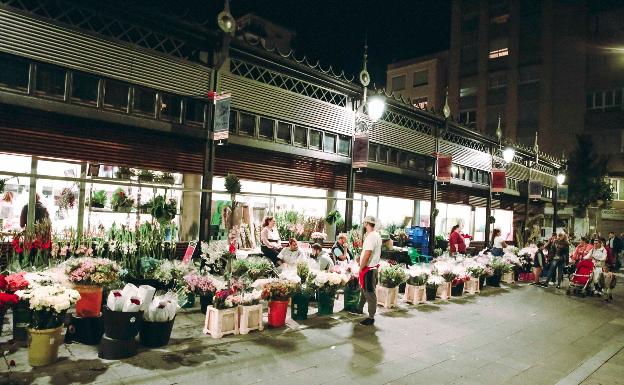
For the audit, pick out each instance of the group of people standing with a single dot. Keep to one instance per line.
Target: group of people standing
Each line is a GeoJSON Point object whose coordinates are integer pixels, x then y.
{"type": "Point", "coordinates": [368, 260]}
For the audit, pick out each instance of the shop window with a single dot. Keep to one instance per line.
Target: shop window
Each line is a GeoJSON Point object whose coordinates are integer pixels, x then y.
{"type": "Point", "coordinates": [115, 94]}
{"type": "Point", "coordinates": [247, 124]}
{"type": "Point", "coordinates": [403, 163]}
{"type": "Point", "coordinates": [170, 107]}
{"type": "Point", "coordinates": [84, 88]}
{"type": "Point", "coordinates": [301, 136]}
{"type": "Point", "coordinates": [233, 123]}
{"type": "Point", "coordinates": [265, 130]}
{"type": "Point", "coordinates": [283, 132]}
{"type": "Point", "coordinates": [398, 83]}
{"type": "Point", "coordinates": [421, 78]}
{"type": "Point", "coordinates": [194, 112]}
{"type": "Point", "coordinates": [372, 152]}
{"type": "Point", "coordinates": [13, 72]}
{"type": "Point", "coordinates": [383, 154]}
{"type": "Point", "coordinates": [315, 139]}
{"type": "Point", "coordinates": [144, 101]}
{"type": "Point", "coordinates": [50, 80]}
{"type": "Point", "coordinates": [329, 143]}
{"type": "Point", "coordinates": [344, 145]}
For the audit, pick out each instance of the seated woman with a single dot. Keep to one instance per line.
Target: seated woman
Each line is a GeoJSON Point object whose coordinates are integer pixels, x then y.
{"type": "Point", "coordinates": [324, 260]}
{"type": "Point", "coordinates": [291, 254]}
{"type": "Point", "coordinates": [498, 243]}
{"type": "Point", "coordinates": [270, 239]}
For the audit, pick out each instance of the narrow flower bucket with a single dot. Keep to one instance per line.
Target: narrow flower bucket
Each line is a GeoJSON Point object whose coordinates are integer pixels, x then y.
{"type": "Point", "coordinates": [299, 307]}
{"type": "Point", "coordinates": [155, 334]}
{"type": "Point", "coordinates": [325, 303]}
{"type": "Point", "coordinates": [90, 302]}
{"type": "Point", "coordinates": [277, 313]}
{"type": "Point", "coordinates": [122, 325]}
{"type": "Point", "coordinates": [351, 299]}
{"type": "Point", "coordinates": [43, 346]}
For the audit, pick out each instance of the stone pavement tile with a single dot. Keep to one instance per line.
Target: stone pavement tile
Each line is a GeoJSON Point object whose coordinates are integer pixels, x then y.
{"type": "Point", "coordinates": [493, 373]}
{"type": "Point", "coordinates": [430, 375]}
{"type": "Point", "coordinates": [536, 375]}
{"type": "Point", "coordinates": [383, 373]}
{"type": "Point", "coordinates": [463, 363]}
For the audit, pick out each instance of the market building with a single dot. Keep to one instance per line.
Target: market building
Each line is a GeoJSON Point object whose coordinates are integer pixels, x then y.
{"type": "Point", "coordinates": [87, 92]}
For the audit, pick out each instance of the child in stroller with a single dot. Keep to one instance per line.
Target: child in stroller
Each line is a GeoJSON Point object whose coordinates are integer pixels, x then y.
{"type": "Point", "coordinates": [580, 284]}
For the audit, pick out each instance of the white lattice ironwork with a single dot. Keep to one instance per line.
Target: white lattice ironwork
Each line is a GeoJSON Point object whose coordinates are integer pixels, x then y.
{"type": "Point", "coordinates": [407, 122]}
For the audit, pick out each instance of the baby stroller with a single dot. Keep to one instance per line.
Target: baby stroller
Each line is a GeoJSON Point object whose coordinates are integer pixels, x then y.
{"type": "Point", "coordinates": [581, 281]}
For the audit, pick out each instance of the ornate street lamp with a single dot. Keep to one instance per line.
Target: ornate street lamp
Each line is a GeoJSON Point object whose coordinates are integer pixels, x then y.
{"type": "Point", "coordinates": [561, 177]}
{"type": "Point", "coordinates": [508, 155]}
{"type": "Point", "coordinates": [376, 107]}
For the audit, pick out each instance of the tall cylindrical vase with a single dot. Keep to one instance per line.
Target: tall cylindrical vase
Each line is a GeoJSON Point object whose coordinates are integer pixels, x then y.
{"type": "Point", "coordinates": [43, 346]}
{"type": "Point", "coordinates": [326, 303]}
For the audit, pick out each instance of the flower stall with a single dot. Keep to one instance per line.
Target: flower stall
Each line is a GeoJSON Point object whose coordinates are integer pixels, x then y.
{"type": "Point", "coordinates": [415, 289]}
{"type": "Point", "coordinates": [390, 277]}
{"type": "Point", "coordinates": [326, 285]}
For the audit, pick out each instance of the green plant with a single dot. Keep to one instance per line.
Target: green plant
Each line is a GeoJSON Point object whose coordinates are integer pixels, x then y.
{"type": "Point", "coordinates": [232, 185]}
{"type": "Point", "coordinates": [252, 268]}
{"type": "Point", "coordinates": [332, 217]}
{"type": "Point", "coordinates": [437, 252]}
{"type": "Point", "coordinates": [303, 271]}
{"type": "Point", "coordinates": [120, 199]}
{"type": "Point", "coordinates": [500, 267]}
{"type": "Point", "coordinates": [98, 198]}
{"type": "Point", "coordinates": [492, 219]}
{"type": "Point", "coordinates": [164, 210]}
{"type": "Point", "coordinates": [166, 177]}
{"type": "Point", "coordinates": [124, 173]}
{"type": "Point", "coordinates": [146, 176]}
{"type": "Point", "coordinates": [392, 276]}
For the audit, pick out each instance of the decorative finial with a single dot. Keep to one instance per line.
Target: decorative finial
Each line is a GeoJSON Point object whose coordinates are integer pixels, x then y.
{"type": "Point", "coordinates": [364, 75]}
{"type": "Point", "coordinates": [499, 130]}
{"type": "Point", "coordinates": [446, 110]}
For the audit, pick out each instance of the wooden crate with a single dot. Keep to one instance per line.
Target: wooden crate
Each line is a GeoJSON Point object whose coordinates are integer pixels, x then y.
{"type": "Point", "coordinates": [387, 297]}
{"type": "Point", "coordinates": [415, 294]}
{"type": "Point", "coordinates": [250, 318]}
{"type": "Point", "coordinates": [471, 286]}
{"type": "Point", "coordinates": [444, 291]}
{"type": "Point", "coordinates": [220, 322]}
{"type": "Point", "coordinates": [508, 278]}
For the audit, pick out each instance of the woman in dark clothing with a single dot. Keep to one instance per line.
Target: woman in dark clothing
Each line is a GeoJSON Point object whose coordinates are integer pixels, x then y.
{"type": "Point", "coordinates": [558, 262]}
{"type": "Point", "coordinates": [538, 262]}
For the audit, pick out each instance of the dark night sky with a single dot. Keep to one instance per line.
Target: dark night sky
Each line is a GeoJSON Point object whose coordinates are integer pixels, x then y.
{"type": "Point", "coordinates": [333, 30]}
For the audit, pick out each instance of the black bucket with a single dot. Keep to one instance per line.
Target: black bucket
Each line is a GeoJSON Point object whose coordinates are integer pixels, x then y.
{"type": "Point", "coordinates": [112, 349]}
{"type": "Point", "coordinates": [155, 334]}
{"type": "Point", "coordinates": [122, 325]}
{"type": "Point", "coordinates": [87, 330]}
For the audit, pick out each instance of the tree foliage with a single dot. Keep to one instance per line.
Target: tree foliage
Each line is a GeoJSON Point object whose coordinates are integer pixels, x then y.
{"type": "Point", "coordinates": [587, 171]}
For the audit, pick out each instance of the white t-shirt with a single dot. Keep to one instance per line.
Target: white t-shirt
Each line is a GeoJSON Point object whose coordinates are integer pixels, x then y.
{"type": "Point", "coordinates": [498, 242]}
{"type": "Point", "coordinates": [289, 256]}
{"type": "Point", "coordinates": [372, 242]}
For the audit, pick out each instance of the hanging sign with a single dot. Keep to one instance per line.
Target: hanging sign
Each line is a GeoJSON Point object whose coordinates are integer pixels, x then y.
{"type": "Point", "coordinates": [221, 115]}
{"type": "Point", "coordinates": [562, 194]}
{"type": "Point", "coordinates": [535, 189]}
{"type": "Point", "coordinates": [360, 150]}
{"type": "Point", "coordinates": [498, 180]}
{"type": "Point", "coordinates": [188, 254]}
{"type": "Point", "coordinates": [444, 164]}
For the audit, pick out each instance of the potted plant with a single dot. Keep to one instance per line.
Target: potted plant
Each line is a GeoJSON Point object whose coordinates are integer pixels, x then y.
{"type": "Point", "coordinates": [441, 242]}
{"type": "Point", "coordinates": [124, 173]}
{"type": "Point", "coordinates": [476, 271]}
{"type": "Point", "coordinates": [222, 317]}
{"type": "Point", "coordinates": [8, 299]}
{"type": "Point", "coordinates": [515, 265]}
{"type": "Point", "coordinates": [252, 268]}
{"type": "Point", "coordinates": [461, 277]}
{"type": "Point", "coordinates": [121, 202]}
{"type": "Point", "coordinates": [204, 286]}
{"type": "Point", "coordinates": [98, 199]}
{"type": "Point", "coordinates": [66, 200]}
{"type": "Point", "coordinates": [232, 186]}
{"type": "Point", "coordinates": [166, 178]}
{"type": "Point", "coordinates": [326, 285]}
{"type": "Point", "coordinates": [22, 315]}
{"type": "Point", "coordinates": [333, 217]}
{"type": "Point", "coordinates": [164, 210]}
{"type": "Point", "coordinates": [433, 282]}
{"type": "Point", "coordinates": [352, 290]}
{"type": "Point", "coordinates": [89, 275]}
{"type": "Point", "coordinates": [49, 304]}
{"type": "Point", "coordinates": [444, 268]}
{"type": "Point", "coordinates": [301, 298]}
{"type": "Point", "coordinates": [146, 176]}
{"type": "Point", "coordinates": [390, 277]}
{"type": "Point", "coordinates": [278, 293]}
{"type": "Point", "coordinates": [499, 267]}
{"type": "Point", "coordinates": [250, 312]}
{"type": "Point", "coordinates": [318, 237]}
{"type": "Point", "coordinates": [415, 289]}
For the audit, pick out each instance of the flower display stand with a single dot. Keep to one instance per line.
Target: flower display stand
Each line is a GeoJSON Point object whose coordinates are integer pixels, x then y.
{"type": "Point", "coordinates": [220, 322]}
{"type": "Point", "coordinates": [444, 291]}
{"type": "Point", "coordinates": [415, 294]}
{"type": "Point", "coordinates": [471, 286]}
{"type": "Point", "coordinates": [508, 278]}
{"type": "Point", "coordinates": [387, 296]}
{"type": "Point", "coordinates": [250, 318]}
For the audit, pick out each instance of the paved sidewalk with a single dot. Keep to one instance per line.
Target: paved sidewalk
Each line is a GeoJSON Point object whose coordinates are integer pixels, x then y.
{"type": "Point", "coordinates": [513, 335]}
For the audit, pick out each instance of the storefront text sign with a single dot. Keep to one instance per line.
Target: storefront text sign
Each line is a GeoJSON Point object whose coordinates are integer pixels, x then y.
{"type": "Point", "coordinates": [222, 116]}
{"type": "Point", "coordinates": [612, 214]}
{"type": "Point", "coordinates": [360, 150]}
{"type": "Point", "coordinates": [444, 164]}
{"type": "Point", "coordinates": [535, 189]}
{"type": "Point", "coordinates": [498, 180]}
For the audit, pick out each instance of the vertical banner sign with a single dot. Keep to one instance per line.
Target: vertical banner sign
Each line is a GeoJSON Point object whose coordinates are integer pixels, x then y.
{"type": "Point", "coordinates": [444, 164]}
{"type": "Point", "coordinates": [498, 180]}
{"type": "Point", "coordinates": [360, 150]}
{"type": "Point", "coordinates": [221, 116]}
{"type": "Point", "coordinates": [562, 194]}
{"type": "Point", "coordinates": [188, 254]}
{"type": "Point", "coordinates": [535, 189]}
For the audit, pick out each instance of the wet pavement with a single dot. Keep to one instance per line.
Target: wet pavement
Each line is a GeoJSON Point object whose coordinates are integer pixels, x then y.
{"type": "Point", "coordinates": [517, 334]}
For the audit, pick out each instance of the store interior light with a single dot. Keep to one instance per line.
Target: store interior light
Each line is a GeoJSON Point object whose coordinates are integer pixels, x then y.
{"type": "Point", "coordinates": [376, 107]}
{"type": "Point", "coordinates": [454, 170]}
{"type": "Point", "coordinates": [508, 154]}
{"type": "Point", "coordinates": [561, 179]}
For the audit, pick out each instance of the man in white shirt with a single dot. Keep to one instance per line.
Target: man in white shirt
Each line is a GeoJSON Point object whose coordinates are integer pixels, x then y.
{"type": "Point", "coordinates": [369, 262]}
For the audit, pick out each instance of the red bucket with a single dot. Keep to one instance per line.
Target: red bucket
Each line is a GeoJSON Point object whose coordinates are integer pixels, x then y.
{"type": "Point", "coordinates": [90, 302]}
{"type": "Point", "coordinates": [277, 313]}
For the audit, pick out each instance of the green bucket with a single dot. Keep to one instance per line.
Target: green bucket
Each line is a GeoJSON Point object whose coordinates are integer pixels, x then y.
{"type": "Point", "coordinates": [325, 303]}
{"type": "Point", "coordinates": [351, 299]}
{"type": "Point", "coordinates": [299, 307]}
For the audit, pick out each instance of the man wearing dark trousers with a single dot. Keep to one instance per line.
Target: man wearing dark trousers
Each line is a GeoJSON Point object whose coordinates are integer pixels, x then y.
{"type": "Point", "coordinates": [615, 244]}
{"type": "Point", "coordinates": [369, 262]}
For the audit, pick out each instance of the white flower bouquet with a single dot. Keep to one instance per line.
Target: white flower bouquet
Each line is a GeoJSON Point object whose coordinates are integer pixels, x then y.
{"type": "Point", "coordinates": [418, 275]}
{"type": "Point", "coordinates": [328, 282]}
{"type": "Point", "coordinates": [49, 304]}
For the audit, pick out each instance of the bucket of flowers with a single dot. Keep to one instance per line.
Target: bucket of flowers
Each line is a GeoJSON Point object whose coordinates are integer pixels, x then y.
{"type": "Point", "coordinates": [475, 270]}
{"type": "Point", "coordinates": [204, 286]}
{"type": "Point", "coordinates": [415, 289]}
{"type": "Point", "coordinates": [461, 277]}
{"type": "Point", "coordinates": [433, 283]}
{"type": "Point", "coordinates": [326, 285]}
{"type": "Point", "coordinates": [318, 237]}
{"type": "Point", "coordinates": [352, 287]}
{"type": "Point", "coordinates": [444, 268]}
{"type": "Point", "coordinates": [222, 317]}
{"type": "Point", "coordinates": [516, 268]}
{"type": "Point", "coordinates": [250, 311]}
{"type": "Point", "coordinates": [278, 292]}
{"type": "Point", "coordinates": [89, 276]}
{"type": "Point", "coordinates": [8, 299]}
{"type": "Point", "coordinates": [301, 298]}
{"type": "Point", "coordinates": [121, 202]}
{"type": "Point", "coordinates": [499, 267]}
{"type": "Point", "coordinates": [390, 277]}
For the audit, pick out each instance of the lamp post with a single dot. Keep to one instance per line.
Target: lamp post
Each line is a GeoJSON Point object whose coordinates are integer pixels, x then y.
{"type": "Point", "coordinates": [433, 213]}
{"type": "Point", "coordinates": [364, 122]}
{"type": "Point", "coordinates": [561, 177]}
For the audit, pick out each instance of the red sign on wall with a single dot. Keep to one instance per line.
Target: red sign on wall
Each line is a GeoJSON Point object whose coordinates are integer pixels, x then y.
{"type": "Point", "coordinates": [444, 164]}
{"type": "Point", "coordinates": [498, 180]}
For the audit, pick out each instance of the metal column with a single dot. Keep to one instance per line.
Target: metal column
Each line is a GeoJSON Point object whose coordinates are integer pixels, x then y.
{"type": "Point", "coordinates": [209, 157]}
{"type": "Point", "coordinates": [349, 202]}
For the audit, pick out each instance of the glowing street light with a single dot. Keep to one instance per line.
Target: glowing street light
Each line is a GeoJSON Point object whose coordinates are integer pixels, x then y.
{"type": "Point", "coordinates": [376, 106]}
{"type": "Point", "coordinates": [508, 154]}
{"type": "Point", "coordinates": [561, 179]}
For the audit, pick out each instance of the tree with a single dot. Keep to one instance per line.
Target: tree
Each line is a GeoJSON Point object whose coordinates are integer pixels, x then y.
{"type": "Point", "coordinates": [587, 171]}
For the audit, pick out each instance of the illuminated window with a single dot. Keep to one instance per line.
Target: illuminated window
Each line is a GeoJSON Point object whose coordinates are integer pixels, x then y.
{"type": "Point", "coordinates": [499, 47]}
{"type": "Point", "coordinates": [499, 53]}
{"type": "Point", "coordinates": [421, 103]}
